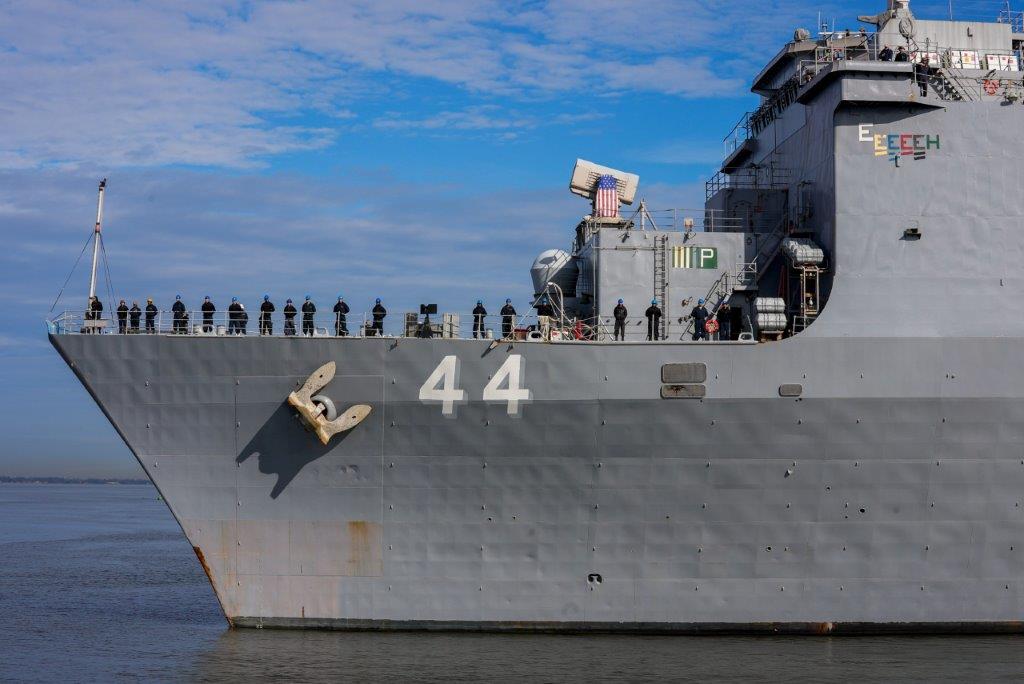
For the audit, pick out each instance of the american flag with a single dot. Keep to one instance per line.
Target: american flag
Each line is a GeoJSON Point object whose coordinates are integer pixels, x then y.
{"type": "Point", "coordinates": [606, 203]}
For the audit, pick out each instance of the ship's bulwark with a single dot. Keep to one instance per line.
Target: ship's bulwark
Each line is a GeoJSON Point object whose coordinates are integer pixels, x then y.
{"type": "Point", "coordinates": [886, 497]}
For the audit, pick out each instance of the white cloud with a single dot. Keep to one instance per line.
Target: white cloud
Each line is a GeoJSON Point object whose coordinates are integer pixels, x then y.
{"type": "Point", "coordinates": [170, 231]}
{"type": "Point", "coordinates": [701, 152]}
{"type": "Point", "coordinates": [227, 83]}
{"type": "Point", "coordinates": [689, 78]}
{"type": "Point", "coordinates": [488, 118]}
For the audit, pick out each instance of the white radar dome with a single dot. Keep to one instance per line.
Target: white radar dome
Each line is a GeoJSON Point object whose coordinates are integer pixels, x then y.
{"type": "Point", "coordinates": [555, 266]}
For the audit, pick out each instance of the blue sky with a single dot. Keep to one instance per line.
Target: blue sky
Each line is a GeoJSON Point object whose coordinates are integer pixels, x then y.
{"type": "Point", "coordinates": [392, 148]}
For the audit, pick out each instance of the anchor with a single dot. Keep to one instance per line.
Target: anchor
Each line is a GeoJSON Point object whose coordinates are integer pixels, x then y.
{"type": "Point", "coordinates": [317, 410]}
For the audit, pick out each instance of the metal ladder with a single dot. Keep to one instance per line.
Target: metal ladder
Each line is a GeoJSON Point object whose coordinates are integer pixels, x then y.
{"type": "Point", "coordinates": [810, 299]}
{"type": "Point", "coordinates": [771, 248]}
{"type": "Point", "coordinates": [716, 295]}
{"type": "Point", "coordinates": [661, 257]}
{"type": "Point", "coordinates": [951, 87]}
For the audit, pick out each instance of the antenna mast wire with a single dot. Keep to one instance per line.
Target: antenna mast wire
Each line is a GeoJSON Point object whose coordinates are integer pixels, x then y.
{"type": "Point", "coordinates": [68, 279]}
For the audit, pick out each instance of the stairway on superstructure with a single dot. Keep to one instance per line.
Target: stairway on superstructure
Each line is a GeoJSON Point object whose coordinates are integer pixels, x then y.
{"type": "Point", "coordinates": [661, 257]}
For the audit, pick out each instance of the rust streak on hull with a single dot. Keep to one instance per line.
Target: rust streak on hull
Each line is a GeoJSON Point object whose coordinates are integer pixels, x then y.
{"type": "Point", "coordinates": [209, 576]}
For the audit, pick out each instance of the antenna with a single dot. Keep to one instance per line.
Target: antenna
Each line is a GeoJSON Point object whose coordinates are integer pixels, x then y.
{"type": "Point", "coordinates": [97, 236]}
{"type": "Point", "coordinates": [951, 10]}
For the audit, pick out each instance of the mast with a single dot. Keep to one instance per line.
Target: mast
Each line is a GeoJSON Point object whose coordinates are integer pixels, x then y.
{"type": "Point", "coordinates": [96, 239]}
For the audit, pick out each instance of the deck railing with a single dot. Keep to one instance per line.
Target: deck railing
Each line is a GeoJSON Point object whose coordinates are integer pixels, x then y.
{"type": "Point", "coordinates": [324, 325]}
{"type": "Point", "coordinates": [1014, 18]}
{"type": "Point", "coordinates": [769, 177]}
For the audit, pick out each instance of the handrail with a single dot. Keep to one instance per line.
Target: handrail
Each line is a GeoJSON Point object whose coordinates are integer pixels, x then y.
{"type": "Point", "coordinates": [769, 250]}
{"type": "Point", "coordinates": [323, 322]}
{"type": "Point", "coordinates": [769, 177]}
{"type": "Point", "coordinates": [696, 220]}
{"type": "Point", "coordinates": [1014, 18]}
{"type": "Point", "coordinates": [453, 326]}
{"type": "Point", "coordinates": [722, 291]}
{"type": "Point", "coordinates": [738, 135]}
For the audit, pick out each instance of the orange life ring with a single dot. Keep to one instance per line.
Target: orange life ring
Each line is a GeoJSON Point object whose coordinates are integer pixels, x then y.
{"type": "Point", "coordinates": [991, 87]}
{"type": "Point", "coordinates": [711, 326]}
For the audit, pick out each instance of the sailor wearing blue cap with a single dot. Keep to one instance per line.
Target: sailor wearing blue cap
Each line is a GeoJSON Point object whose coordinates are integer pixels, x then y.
{"type": "Point", "coordinates": [379, 312]}
{"type": "Point", "coordinates": [478, 319]}
{"type": "Point", "coordinates": [208, 310]}
{"type": "Point", "coordinates": [340, 321]}
{"type": "Point", "coordinates": [620, 314]}
{"type": "Point", "coordinates": [700, 316]}
{"type": "Point", "coordinates": [653, 314]}
{"type": "Point", "coordinates": [178, 309]}
{"type": "Point", "coordinates": [266, 311]}
{"type": "Point", "coordinates": [234, 317]}
{"type": "Point", "coordinates": [289, 318]}
{"type": "Point", "coordinates": [508, 314]}
{"type": "Point", "coordinates": [308, 311]}
{"type": "Point", "coordinates": [544, 308]}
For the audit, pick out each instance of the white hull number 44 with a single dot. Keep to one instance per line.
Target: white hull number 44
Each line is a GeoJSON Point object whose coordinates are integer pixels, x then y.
{"type": "Point", "coordinates": [505, 386]}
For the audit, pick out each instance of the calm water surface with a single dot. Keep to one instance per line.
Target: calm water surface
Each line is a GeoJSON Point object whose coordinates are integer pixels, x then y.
{"type": "Point", "coordinates": [97, 583]}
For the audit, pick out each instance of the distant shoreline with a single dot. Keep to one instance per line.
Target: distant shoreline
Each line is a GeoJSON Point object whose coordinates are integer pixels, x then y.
{"type": "Point", "coordinates": [4, 479]}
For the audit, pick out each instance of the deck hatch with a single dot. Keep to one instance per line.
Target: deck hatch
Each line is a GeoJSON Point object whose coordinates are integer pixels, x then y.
{"type": "Point", "coordinates": [684, 373]}
{"type": "Point", "coordinates": [683, 391]}
{"type": "Point", "coordinates": [791, 390]}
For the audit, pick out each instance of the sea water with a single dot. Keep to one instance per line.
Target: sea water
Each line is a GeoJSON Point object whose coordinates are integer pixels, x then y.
{"type": "Point", "coordinates": [97, 583]}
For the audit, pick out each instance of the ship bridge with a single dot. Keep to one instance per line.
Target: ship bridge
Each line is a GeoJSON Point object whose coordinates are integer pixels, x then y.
{"type": "Point", "coordinates": [927, 100]}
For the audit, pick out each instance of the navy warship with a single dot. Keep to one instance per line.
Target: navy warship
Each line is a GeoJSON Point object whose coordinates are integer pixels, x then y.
{"type": "Point", "coordinates": [838, 447]}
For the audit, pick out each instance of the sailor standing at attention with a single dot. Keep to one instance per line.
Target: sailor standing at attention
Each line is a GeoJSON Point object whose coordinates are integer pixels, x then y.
{"type": "Point", "coordinates": [508, 314]}
{"type": "Point", "coordinates": [95, 312]}
{"type": "Point", "coordinates": [289, 318]}
{"type": "Point", "coordinates": [208, 310]}
{"type": "Point", "coordinates": [379, 312]}
{"type": "Point", "coordinates": [266, 309]}
{"type": "Point", "coordinates": [724, 318]}
{"type": "Point", "coordinates": [653, 314]}
{"type": "Point", "coordinates": [308, 309]}
{"type": "Point", "coordinates": [122, 318]}
{"type": "Point", "coordinates": [620, 313]}
{"type": "Point", "coordinates": [234, 317]}
{"type": "Point", "coordinates": [178, 309]}
{"type": "Point", "coordinates": [340, 321]}
{"type": "Point", "coordinates": [134, 314]}
{"type": "Point", "coordinates": [151, 312]}
{"type": "Point", "coordinates": [700, 321]}
{"type": "Point", "coordinates": [478, 319]}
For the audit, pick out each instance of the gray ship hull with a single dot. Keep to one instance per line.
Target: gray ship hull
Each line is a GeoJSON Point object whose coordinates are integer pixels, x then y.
{"type": "Point", "coordinates": [886, 497]}
{"type": "Point", "coordinates": [864, 474]}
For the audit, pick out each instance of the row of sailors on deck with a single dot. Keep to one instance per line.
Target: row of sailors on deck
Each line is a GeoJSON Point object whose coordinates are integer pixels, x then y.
{"type": "Point", "coordinates": [129, 319]}
{"type": "Point", "coordinates": [699, 315]}
{"type": "Point", "coordinates": [887, 55]}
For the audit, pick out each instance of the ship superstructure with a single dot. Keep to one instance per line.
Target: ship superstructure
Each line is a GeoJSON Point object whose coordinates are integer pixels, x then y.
{"type": "Point", "coordinates": [850, 457]}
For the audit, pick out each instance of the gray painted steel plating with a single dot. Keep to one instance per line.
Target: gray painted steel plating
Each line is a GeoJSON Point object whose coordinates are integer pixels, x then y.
{"type": "Point", "coordinates": [863, 501]}
{"type": "Point", "coordinates": [885, 497]}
